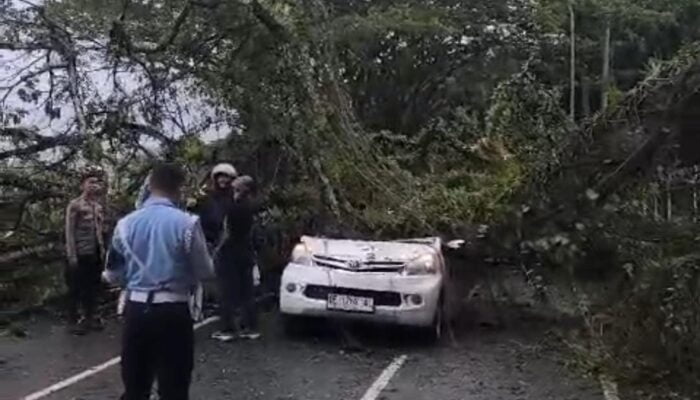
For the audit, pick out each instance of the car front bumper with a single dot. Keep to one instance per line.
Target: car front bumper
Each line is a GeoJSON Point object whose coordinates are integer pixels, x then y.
{"type": "Point", "coordinates": [303, 292]}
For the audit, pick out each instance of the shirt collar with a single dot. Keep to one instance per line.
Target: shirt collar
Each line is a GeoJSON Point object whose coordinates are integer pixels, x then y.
{"type": "Point", "coordinates": [87, 199]}
{"type": "Point", "coordinates": [158, 201]}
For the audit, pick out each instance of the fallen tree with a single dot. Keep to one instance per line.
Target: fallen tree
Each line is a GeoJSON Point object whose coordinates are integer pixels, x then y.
{"type": "Point", "coordinates": [377, 120]}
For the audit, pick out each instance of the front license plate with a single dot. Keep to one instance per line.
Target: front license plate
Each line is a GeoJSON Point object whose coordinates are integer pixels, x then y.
{"type": "Point", "coordinates": [342, 302]}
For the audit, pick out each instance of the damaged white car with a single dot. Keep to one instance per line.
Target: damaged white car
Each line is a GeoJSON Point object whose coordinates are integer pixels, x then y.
{"type": "Point", "coordinates": [397, 282]}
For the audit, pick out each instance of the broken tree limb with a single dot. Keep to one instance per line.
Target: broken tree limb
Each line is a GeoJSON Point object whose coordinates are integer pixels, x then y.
{"type": "Point", "coordinates": [9, 259]}
{"type": "Point", "coordinates": [267, 18]}
{"type": "Point", "coordinates": [328, 188]}
{"type": "Point", "coordinates": [25, 46]}
{"type": "Point", "coordinates": [642, 158]}
{"type": "Point", "coordinates": [41, 143]}
{"type": "Point", "coordinates": [168, 38]}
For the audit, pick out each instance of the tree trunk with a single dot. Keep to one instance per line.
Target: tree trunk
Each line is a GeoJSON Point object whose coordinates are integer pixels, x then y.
{"type": "Point", "coordinates": [586, 96]}
{"type": "Point", "coordinates": [605, 75]}
{"type": "Point", "coordinates": [669, 200]}
{"type": "Point", "coordinates": [695, 193]}
{"type": "Point", "coordinates": [657, 216]}
{"type": "Point", "coordinates": [572, 95]}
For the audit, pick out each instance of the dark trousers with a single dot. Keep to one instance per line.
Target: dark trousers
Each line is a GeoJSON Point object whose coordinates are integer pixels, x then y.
{"type": "Point", "coordinates": [237, 295]}
{"type": "Point", "coordinates": [245, 299]}
{"type": "Point", "coordinates": [83, 281]}
{"type": "Point", "coordinates": [157, 343]}
{"type": "Point", "coordinates": [227, 301]}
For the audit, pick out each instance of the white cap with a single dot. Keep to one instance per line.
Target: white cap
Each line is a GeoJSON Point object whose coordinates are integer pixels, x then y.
{"type": "Point", "coordinates": [224, 168]}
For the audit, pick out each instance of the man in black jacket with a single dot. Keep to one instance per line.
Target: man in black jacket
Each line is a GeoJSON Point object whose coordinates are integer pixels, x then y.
{"type": "Point", "coordinates": [213, 211]}
{"type": "Point", "coordinates": [239, 248]}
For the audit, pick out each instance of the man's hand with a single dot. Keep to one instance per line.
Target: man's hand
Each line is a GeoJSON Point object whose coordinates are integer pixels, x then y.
{"type": "Point", "coordinates": [110, 278]}
{"type": "Point", "coordinates": [73, 262]}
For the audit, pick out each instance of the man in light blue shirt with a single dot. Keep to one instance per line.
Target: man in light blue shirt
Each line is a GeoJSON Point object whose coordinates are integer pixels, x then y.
{"type": "Point", "coordinates": [158, 254]}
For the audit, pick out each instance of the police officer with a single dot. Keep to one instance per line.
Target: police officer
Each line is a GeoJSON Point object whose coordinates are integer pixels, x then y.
{"type": "Point", "coordinates": [158, 253]}
{"type": "Point", "coordinates": [85, 251]}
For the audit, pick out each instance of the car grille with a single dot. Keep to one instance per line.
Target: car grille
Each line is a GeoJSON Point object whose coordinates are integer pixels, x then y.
{"type": "Point", "coordinates": [367, 266]}
{"type": "Point", "coordinates": [390, 299]}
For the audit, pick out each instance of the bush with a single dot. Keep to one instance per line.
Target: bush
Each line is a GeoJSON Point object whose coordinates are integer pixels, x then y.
{"type": "Point", "coordinates": [657, 328]}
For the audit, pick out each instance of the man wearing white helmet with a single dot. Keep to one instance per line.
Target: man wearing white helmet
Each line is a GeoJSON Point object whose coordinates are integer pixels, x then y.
{"type": "Point", "coordinates": [215, 204]}
{"type": "Point", "coordinates": [213, 211]}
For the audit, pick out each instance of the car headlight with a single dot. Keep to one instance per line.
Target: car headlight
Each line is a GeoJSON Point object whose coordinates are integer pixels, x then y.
{"type": "Point", "coordinates": [301, 255]}
{"type": "Point", "coordinates": [423, 265]}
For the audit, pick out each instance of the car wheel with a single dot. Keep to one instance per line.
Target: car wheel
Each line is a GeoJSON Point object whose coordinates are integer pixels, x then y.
{"type": "Point", "coordinates": [434, 333]}
{"type": "Point", "coordinates": [436, 330]}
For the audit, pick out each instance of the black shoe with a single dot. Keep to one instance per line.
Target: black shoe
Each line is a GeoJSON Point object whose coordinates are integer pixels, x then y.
{"type": "Point", "coordinates": [250, 334]}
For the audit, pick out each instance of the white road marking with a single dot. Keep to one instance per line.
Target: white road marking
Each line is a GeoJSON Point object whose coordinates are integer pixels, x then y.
{"type": "Point", "coordinates": [92, 371]}
{"type": "Point", "coordinates": [205, 322]}
{"type": "Point", "coordinates": [383, 380]}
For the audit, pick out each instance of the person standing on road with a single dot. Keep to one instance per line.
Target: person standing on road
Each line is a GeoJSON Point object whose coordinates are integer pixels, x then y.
{"type": "Point", "coordinates": [240, 250]}
{"type": "Point", "coordinates": [197, 297]}
{"type": "Point", "coordinates": [84, 250]}
{"type": "Point", "coordinates": [213, 210]}
{"type": "Point", "coordinates": [158, 253]}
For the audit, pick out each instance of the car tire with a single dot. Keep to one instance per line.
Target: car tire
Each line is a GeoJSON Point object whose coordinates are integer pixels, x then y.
{"type": "Point", "coordinates": [435, 332]}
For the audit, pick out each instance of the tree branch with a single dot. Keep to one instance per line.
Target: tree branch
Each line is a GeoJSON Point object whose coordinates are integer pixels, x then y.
{"type": "Point", "coordinates": [639, 159]}
{"type": "Point", "coordinates": [24, 46]}
{"type": "Point", "coordinates": [146, 130]}
{"type": "Point", "coordinates": [63, 44]}
{"type": "Point", "coordinates": [10, 89]}
{"type": "Point", "coordinates": [267, 19]}
{"type": "Point", "coordinates": [42, 142]}
{"type": "Point", "coordinates": [167, 39]}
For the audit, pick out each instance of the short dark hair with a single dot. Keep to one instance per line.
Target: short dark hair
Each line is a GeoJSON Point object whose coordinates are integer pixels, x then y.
{"type": "Point", "coordinates": [247, 183]}
{"type": "Point", "coordinates": [168, 177]}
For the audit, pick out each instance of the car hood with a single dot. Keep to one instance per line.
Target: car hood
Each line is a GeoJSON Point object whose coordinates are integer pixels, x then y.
{"type": "Point", "coordinates": [371, 251]}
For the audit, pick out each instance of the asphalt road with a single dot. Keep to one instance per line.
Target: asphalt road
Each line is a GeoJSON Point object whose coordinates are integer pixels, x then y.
{"type": "Point", "coordinates": [517, 364]}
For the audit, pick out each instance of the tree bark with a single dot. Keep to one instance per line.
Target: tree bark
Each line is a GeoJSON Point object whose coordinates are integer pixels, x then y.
{"type": "Point", "coordinates": [657, 217]}
{"type": "Point", "coordinates": [695, 193]}
{"type": "Point", "coordinates": [586, 96]}
{"type": "Point", "coordinates": [669, 199]}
